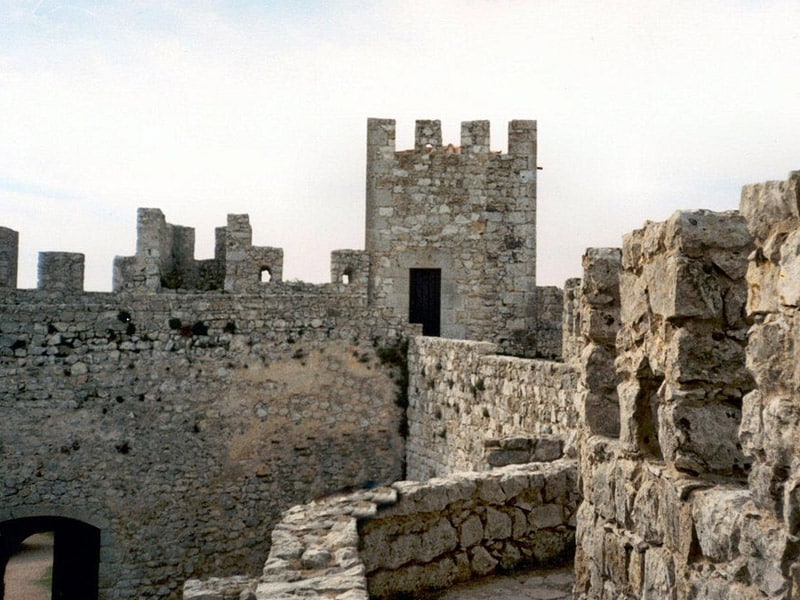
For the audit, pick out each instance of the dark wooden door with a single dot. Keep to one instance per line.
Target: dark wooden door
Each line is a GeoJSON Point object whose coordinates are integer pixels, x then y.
{"type": "Point", "coordinates": [425, 299]}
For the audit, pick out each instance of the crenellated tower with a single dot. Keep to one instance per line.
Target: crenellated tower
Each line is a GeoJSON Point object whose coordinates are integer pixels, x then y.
{"type": "Point", "coordinates": [451, 231]}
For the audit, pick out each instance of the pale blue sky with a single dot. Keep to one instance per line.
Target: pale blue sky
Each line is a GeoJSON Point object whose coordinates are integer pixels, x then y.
{"type": "Point", "coordinates": [208, 107]}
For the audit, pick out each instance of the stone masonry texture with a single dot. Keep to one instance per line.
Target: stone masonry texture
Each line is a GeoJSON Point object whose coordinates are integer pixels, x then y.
{"type": "Point", "coordinates": [182, 425]}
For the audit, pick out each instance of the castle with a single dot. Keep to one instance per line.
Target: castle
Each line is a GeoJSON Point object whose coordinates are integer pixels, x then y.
{"type": "Point", "coordinates": [208, 431]}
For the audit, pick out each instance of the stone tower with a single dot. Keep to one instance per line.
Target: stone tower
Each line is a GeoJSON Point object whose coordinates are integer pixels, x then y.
{"type": "Point", "coordinates": [451, 231]}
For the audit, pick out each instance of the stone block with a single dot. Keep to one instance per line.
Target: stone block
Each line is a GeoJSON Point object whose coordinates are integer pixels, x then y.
{"type": "Point", "coordinates": [718, 515]}
{"type": "Point", "coordinates": [680, 287]}
{"type": "Point", "coordinates": [659, 575]}
{"type": "Point", "coordinates": [788, 285]}
{"type": "Point", "coordinates": [481, 562]}
{"type": "Point", "coordinates": [701, 437]}
{"type": "Point", "coordinates": [765, 205]}
{"type": "Point", "coordinates": [600, 282]}
{"type": "Point", "coordinates": [699, 355]}
{"type": "Point", "coordinates": [694, 232]}
{"type": "Point", "coordinates": [471, 531]}
{"type": "Point", "coordinates": [762, 284]}
{"type": "Point", "coordinates": [770, 348]}
{"type": "Point", "coordinates": [498, 524]}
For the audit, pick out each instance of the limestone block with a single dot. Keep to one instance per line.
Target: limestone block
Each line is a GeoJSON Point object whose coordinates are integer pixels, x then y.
{"type": "Point", "coordinates": [706, 356]}
{"type": "Point", "coordinates": [659, 575]}
{"type": "Point", "coordinates": [498, 524]}
{"type": "Point", "coordinates": [638, 410]}
{"type": "Point", "coordinates": [471, 531]}
{"type": "Point", "coordinates": [634, 305]}
{"type": "Point", "coordinates": [599, 323]}
{"type": "Point", "coordinates": [764, 205]}
{"type": "Point", "coordinates": [437, 540]}
{"type": "Point", "coordinates": [599, 407]}
{"type": "Point", "coordinates": [718, 515]}
{"type": "Point", "coordinates": [701, 437]}
{"type": "Point", "coordinates": [762, 284]}
{"type": "Point", "coordinates": [646, 509]}
{"type": "Point", "coordinates": [615, 562]}
{"type": "Point", "coordinates": [768, 551]}
{"type": "Point", "coordinates": [627, 481]}
{"type": "Point", "coordinates": [481, 562]}
{"type": "Point", "coordinates": [789, 276]}
{"type": "Point", "coordinates": [770, 347]}
{"type": "Point", "coordinates": [600, 282]}
{"type": "Point", "coordinates": [751, 429]}
{"type": "Point", "coordinates": [546, 516]}
{"type": "Point", "coordinates": [548, 448]}
{"type": "Point", "coordinates": [693, 232]}
{"type": "Point", "coordinates": [680, 287]}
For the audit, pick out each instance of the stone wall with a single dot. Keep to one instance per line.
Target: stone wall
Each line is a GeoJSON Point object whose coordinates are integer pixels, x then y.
{"type": "Point", "coordinates": [547, 337]}
{"type": "Point", "coordinates": [770, 430]}
{"type": "Point", "coordinates": [411, 537]}
{"type": "Point", "coordinates": [466, 211]}
{"type": "Point", "coordinates": [183, 424]}
{"type": "Point", "coordinates": [463, 399]}
{"type": "Point", "coordinates": [667, 511]}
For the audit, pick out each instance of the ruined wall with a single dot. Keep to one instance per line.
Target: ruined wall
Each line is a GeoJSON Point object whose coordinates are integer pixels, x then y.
{"type": "Point", "coordinates": [667, 511]}
{"type": "Point", "coordinates": [413, 536]}
{"type": "Point", "coordinates": [184, 424]}
{"type": "Point", "coordinates": [770, 430]}
{"type": "Point", "coordinates": [464, 210]}
{"type": "Point", "coordinates": [464, 399]}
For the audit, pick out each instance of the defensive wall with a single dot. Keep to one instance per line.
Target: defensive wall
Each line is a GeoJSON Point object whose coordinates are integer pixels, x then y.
{"type": "Point", "coordinates": [687, 446]}
{"type": "Point", "coordinates": [179, 424]}
{"type": "Point", "coordinates": [178, 416]}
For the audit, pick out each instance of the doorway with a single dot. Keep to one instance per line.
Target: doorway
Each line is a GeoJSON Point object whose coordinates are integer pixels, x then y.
{"type": "Point", "coordinates": [76, 554]}
{"type": "Point", "coordinates": [425, 299]}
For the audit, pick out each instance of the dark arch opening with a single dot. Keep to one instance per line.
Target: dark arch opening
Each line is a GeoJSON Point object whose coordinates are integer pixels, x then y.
{"type": "Point", "coordinates": [76, 554]}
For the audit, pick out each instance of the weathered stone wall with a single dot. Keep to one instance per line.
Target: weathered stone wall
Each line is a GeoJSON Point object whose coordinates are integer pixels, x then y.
{"type": "Point", "coordinates": [414, 536]}
{"type": "Point", "coordinates": [183, 424]}
{"type": "Point", "coordinates": [9, 255]}
{"type": "Point", "coordinates": [61, 271]}
{"type": "Point", "coordinates": [464, 210]}
{"type": "Point", "coordinates": [463, 398]}
{"type": "Point", "coordinates": [571, 338]}
{"type": "Point", "coordinates": [547, 337]}
{"type": "Point", "coordinates": [770, 429]}
{"type": "Point", "coordinates": [666, 512]}
{"type": "Point", "coordinates": [597, 323]}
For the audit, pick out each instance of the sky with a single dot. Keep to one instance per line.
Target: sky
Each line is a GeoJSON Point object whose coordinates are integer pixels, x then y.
{"type": "Point", "coordinates": [211, 107]}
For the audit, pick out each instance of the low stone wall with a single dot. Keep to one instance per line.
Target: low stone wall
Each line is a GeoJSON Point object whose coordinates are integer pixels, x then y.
{"type": "Point", "coordinates": [462, 397]}
{"type": "Point", "coordinates": [414, 536]}
{"type": "Point", "coordinates": [184, 424]}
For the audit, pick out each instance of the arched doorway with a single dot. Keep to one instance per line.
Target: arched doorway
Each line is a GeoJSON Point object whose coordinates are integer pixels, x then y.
{"type": "Point", "coordinates": [76, 553]}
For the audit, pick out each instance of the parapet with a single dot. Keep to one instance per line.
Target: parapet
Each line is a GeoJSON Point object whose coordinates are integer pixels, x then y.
{"type": "Point", "coordinates": [248, 266]}
{"type": "Point", "coordinates": [475, 137]}
{"type": "Point", "coordinates": [350, 268]}
{"type": "Point", "coordinates": [61, 271]}
{"type": "Point", "coordinates": [9, 253]}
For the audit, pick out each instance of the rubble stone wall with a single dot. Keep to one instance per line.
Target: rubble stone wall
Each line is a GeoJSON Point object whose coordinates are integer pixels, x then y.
{"type": "Point", "coordinates": [463, 398]}
{"type": "Point", "coordinates": [412, 536]}
{"type": "Point", "coordinates": [770, 431]}
{"type": "Point", "coordinates": [187, 422]}
{"type": "Point", "coordinates": [667, 511]}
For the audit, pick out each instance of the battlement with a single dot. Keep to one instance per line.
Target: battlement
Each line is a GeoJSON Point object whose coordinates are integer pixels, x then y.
{"type": "Point", "coordinates": [459, 218]}
{"type": "Point", "coordinates": [475, 139]}
{"type": "Point", "coordinates": [464, 217]}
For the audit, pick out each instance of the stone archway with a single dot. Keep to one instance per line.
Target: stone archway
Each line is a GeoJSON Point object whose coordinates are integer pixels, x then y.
{"type": "Point", "coordinates": [76, 553]}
